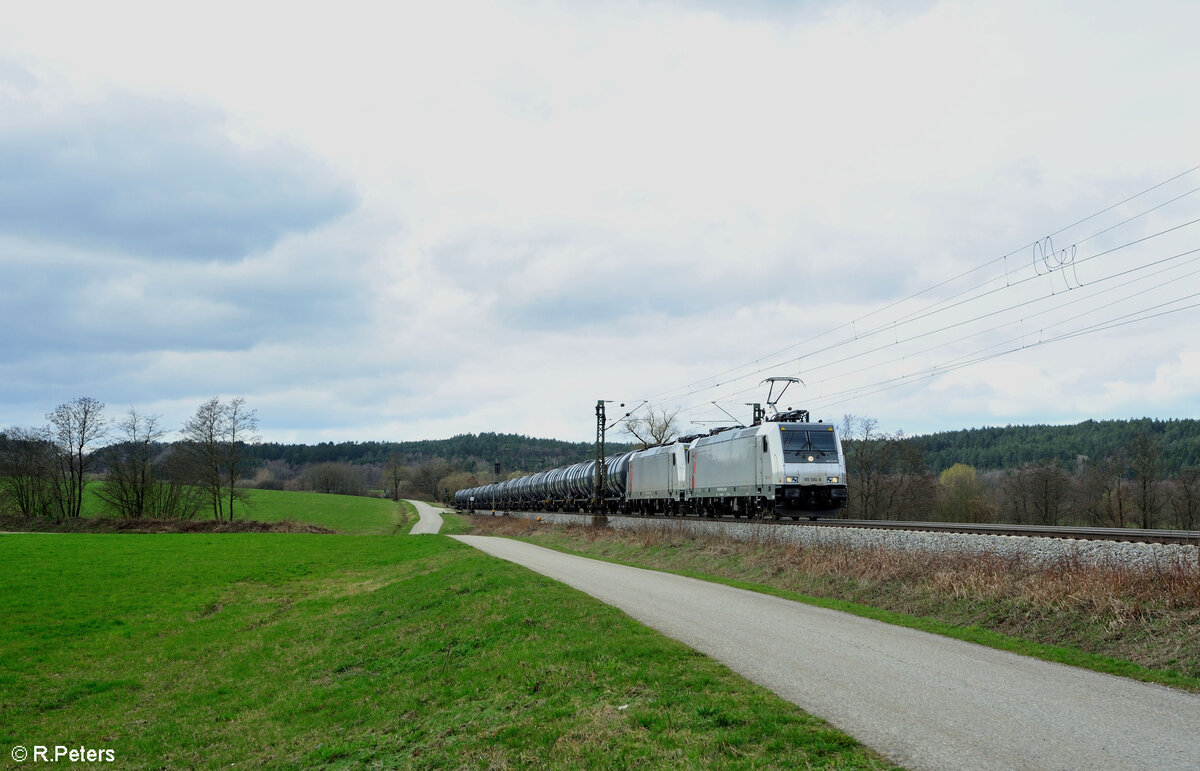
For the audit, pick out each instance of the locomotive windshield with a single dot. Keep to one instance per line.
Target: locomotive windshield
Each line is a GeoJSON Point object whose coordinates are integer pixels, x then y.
{"type": "Point", "coordinates": [815, 446]}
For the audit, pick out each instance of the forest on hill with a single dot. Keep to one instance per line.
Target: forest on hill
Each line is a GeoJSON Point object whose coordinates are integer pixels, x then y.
{"type": "Point", "coordinates": [993, 449]}
{"type": "Point", "coordinates": [466, 452]}
{"type": "Point", "coordinates": [986, 449]}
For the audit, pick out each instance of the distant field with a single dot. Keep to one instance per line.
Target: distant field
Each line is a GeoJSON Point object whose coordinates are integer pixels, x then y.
{"type": "Point", "coordinates": [351, 514]}
{"type": "Point", "coordinates": [185, 650]}
{"type": "Point", "coordinates": [345, 513]}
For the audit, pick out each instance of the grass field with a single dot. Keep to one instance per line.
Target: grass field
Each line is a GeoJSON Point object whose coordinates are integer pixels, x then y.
{"type": "Point", "coordinates": [206, 650]}
{"type": "Point", "coordinates": [345, 513]}
{"type": "Point", "coordinates": [1115, 620]}
{"type": "Point", "coordinates": [352, 514]}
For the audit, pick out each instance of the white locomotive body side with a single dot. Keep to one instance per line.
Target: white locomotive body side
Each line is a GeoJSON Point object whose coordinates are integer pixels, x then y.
{"type": "Point", "coordinates": [657, 478]}
{"type": "Point", "coordinates": [781, 467]}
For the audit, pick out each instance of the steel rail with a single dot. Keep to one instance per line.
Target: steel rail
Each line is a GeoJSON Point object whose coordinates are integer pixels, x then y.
{"type": "Point", "coordinates": [1137, 535]}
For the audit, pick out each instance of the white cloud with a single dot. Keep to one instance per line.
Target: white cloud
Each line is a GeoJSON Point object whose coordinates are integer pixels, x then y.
{"type": "Point", "coordinates": [566, 201]}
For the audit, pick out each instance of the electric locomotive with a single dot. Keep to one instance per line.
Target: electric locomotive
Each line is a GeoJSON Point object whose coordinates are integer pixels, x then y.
{"type": "Point", "coordinates": [786, 466]}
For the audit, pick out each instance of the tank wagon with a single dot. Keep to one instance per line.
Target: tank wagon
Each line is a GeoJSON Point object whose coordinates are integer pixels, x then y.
{"type": "Point", "coordinates": [785, 466]}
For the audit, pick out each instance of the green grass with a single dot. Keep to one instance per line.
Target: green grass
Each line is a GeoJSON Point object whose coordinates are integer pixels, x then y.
{"type": "Point", "coordinates": [352, 514]}
{"type": "Point", "coordinates": [1060, 638]}
{"type": "Point", "coordinates": [182, 650]}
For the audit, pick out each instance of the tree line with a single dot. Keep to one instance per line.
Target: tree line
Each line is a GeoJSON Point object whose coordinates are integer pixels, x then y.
{"type": "Point", "coordinates": [1115, 473]}
{"type": "Point", "coordinates": [1132, 482]}
{"type": "Point", "coordinates": [44, 470]}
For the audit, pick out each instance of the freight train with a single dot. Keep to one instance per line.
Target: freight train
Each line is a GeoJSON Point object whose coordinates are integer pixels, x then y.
{"type": "Point", "coordinates": [784, 466]}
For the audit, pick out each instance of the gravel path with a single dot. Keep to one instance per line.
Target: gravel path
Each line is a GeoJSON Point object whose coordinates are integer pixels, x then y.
{"type": "Point", "coordinates": [924, 701]}
{"type": "Point", "coordinates": [430, 522]}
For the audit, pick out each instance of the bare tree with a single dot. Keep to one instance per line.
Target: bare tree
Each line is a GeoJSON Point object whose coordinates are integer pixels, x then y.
{"type": "Point", "coordinates": [1037, 493]}
{"type": "Point", "coordinates": [215, 437]}
{"type": "Point", "coordinates": [129, 486]}
{"type": "Point", "coordinates": [334, 478]}
{"type": "Point", "coordinates": [657, 426]}
{"type": "Point", "coordinates": [422, 480]}
{"type": "Point", "coordinates": [1144, 459]}
{"type": "Point", "coordinates": [177, 495]}
{"type": "Point", "coordinates": [1101, 491]}
{"type": "Point", "coordinates": [26, 471]}
{"type": "Point", "coordinates": [886, 477]}
{"type": "Point", "coordinates": [393, 474]}
{"type": "Point", "coordinates": [238, 427]}
{"type": "Point", "coordinates": [75, 428]}
{"type": "Point", "coordinates": [1185, 502]}
{"type": "Point", "coordinates": [202, 440]}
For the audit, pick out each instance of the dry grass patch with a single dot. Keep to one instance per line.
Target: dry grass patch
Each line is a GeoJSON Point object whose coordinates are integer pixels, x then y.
{"type": "Point", "coordinates": [1148, 617]}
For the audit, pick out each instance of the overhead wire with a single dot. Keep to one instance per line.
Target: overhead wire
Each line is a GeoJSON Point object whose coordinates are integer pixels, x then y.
{"type": "Point", "coordinates": [962, 302]}
{"type": "Point", "coordinates": [672, 393]}
{"type": "Point", "coordinates": [969, 297]}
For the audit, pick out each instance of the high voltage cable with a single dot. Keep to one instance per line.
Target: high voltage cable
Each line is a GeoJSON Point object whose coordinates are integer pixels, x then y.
{"type": "Point", "coordinates": [978, 356]}
{"type": "Point", "coordinates": [1028, 318]}
{"type": "Point", "coordinates": [981, 355]}
{"type": "Point", "coordinates": [1004, 258]}
{"type": "Point", "coordinates": [935, 371]}
{"type": "Point", "coordinates": [870, 388]}
{"type": "Point", "coordinates": [928, 312]}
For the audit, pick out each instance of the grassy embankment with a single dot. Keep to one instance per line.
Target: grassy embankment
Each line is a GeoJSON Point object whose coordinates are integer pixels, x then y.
{"type": "Point", "coordinates": [1120, 621]}
{"type": "Point", "coordinates": [183, 650]}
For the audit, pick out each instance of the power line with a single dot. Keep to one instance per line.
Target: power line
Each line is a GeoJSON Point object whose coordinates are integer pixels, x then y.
{"type": "Point", "coordinates": [1046, 263]}
{"type": "Point", "coordinates": [694, 387]}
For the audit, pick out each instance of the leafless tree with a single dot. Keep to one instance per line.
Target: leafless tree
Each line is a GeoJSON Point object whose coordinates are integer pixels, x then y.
{"type": "Point", "coordinates": [129, 488]}
{"type": "Point", "coordinates": [215, 437]}
{"type": "Point", "coordinates": [177, 494]}
{"type": "Point", "coordinates": [27, 471]}
{"type": "Point", "coordinates": [1144, 460]}
{"type": "Point", "coordinates": [1101, 492]}
{"type": "Point", "coordinates": [423, 479]}
{"type": "Point", "coordinates": [75, 429]}
{"type": "Point", "coordinates": [202, 440]}
{"type": "Point", "coordinates": [657, 426]}
{"type": "Point", "coordinates": [333, 478]}
{"type": "Point", "coordinates": [1037, 493]}
{"type": "Point", "coordinates": [1185, 499]}
{"type": "Point", "coordinates": [393, 474]}
{"type": "Point", "coordinates": [886, 474]}
{"type": "Point", "coordinates": [238, 427]}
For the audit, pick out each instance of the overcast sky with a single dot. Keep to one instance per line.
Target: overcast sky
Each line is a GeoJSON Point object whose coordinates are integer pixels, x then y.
{"type": "Point", "coordinates": [394, 221]}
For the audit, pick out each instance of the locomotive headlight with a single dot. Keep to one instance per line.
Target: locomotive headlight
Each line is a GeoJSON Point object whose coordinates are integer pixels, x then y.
{"type": "Point", "coordinates": [831, 480]}
{"type": "Point", "coordinates": [811, 459]}
{"type": "Point", "coordinates": [789, 479]}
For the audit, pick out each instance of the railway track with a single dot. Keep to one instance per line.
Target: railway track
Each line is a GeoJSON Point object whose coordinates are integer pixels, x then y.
{"type": "Point", "coordinates": [1132, 535]}
{"type": "Point", "coordinates": [1189, 537]}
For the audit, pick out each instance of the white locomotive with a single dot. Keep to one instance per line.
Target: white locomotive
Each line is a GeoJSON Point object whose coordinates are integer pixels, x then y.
{"type": "Point", "coordinates": [785, 466]}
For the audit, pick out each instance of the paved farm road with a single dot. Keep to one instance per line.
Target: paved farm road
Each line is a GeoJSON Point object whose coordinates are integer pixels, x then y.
{"type": "Point", "coordinates": [430, 521]}
{"type": "Point", "coordinates": [925, 701]}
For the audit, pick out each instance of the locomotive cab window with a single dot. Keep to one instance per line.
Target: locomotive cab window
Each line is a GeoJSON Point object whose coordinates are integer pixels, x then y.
{"type": "Point", "coordinates": [800, 446]}
{"type": "Point", "coordinates": [764, 444]}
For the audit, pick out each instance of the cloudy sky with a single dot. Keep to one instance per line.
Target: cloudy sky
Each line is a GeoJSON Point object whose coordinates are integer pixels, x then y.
{"type": "Point", "coordinates": [412, 220]}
